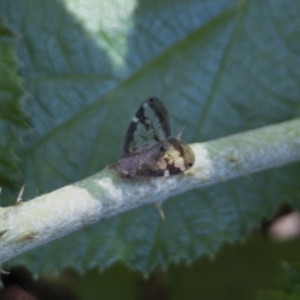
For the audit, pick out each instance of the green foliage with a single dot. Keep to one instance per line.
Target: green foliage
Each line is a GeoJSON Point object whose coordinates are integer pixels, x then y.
{"type": "Point", "coordinates": [11, 116]}
{"type": "Point", "coordinates": [236, 273]}
{"type": "Point", "coordinates": [289, 287]}
{"type": "Point", "coordinates": [221, 67]}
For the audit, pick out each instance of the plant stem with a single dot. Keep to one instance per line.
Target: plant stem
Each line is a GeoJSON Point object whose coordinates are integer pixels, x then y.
{"type": "Point", "coordinates": [105, 194]}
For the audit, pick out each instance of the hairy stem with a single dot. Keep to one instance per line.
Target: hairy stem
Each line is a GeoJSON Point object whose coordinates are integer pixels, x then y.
{"type": "Point", "coordinates": [50, 216]}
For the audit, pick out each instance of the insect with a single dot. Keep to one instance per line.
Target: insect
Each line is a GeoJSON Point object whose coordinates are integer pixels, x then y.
{"type": "Point", "coordinates": [148, 150]}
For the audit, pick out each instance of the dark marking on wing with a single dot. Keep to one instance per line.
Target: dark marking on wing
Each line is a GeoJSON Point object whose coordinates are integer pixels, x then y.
{"type": "Point", "coordinates": [153, 115]}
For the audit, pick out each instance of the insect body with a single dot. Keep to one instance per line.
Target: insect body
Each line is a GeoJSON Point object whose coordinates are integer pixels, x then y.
{"type": "Point", "coordinates": [148, 150]}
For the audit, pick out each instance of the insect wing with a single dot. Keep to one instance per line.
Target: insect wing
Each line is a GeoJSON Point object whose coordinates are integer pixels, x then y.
{"type": "Point", "coordinates": [150, 125]}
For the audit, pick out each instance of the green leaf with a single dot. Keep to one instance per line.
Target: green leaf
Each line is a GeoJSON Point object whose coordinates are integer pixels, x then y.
{"type": "Point", "coordinates": [289, 287]}
{"type": "Point", "coordinates": [221, 67]}
{"type": "Point", "coordinates": [11, 115]}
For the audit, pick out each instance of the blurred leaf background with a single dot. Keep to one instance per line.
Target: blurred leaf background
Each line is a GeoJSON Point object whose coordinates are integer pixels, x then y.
{"type": "Point", "coordinates": [85, 66]}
